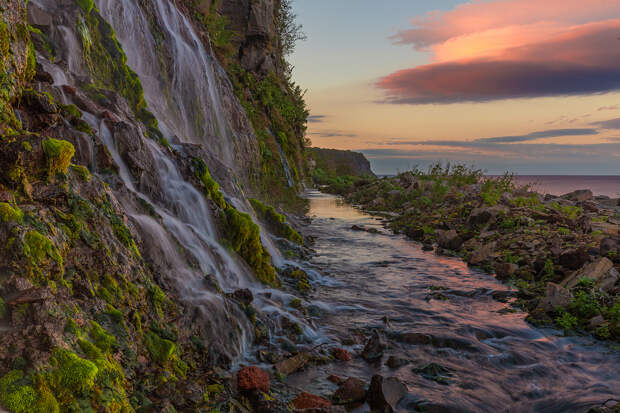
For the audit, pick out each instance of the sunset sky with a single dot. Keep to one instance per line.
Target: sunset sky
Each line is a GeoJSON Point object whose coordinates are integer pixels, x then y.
{"type": "Point", "coordinates": [528, 86]}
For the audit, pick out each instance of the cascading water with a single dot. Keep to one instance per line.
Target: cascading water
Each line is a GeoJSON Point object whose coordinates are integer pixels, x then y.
{"type": "Point", "coordinates": [177, 73]}
{"type": "Point", "coordinates": [187, 105]}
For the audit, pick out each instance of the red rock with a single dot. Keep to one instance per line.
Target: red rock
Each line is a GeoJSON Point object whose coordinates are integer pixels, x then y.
{"type": "Point", "coordinates": [252, 378]}
{"type": "Point", "coordinates": [310, 401]}
{"type": "Point", "coordinates": [69, 89]}
{"type": "Point", "coordinates": [342, 354]}
{"type": "Point", "coordinates": [335, 379]}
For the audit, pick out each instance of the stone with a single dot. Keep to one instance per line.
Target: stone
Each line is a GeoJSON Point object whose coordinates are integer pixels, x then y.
{"type": "Point", "coordinates": [595, 322]}
{"type": "Point", "coordinates": [574, 258]}
{"type": "Point", "coordinates": [335, 379]}
{"type": "Point", "coordinates": [602, 271]}
{"type": "Point", "coordinates": [481, 255]}
{"type": "Point", "coordinates": [341, 354]}
{"type": "Point", "coordinates": [505, 270]}
{"type": "Point", "coordinates": [292, 364]}
{"type": "Point", "coordinates": [396, 362]}
{"type": "Point", "coordinates": [252, 378]}
{"type": "Point", "coordinates": [373, 350]}
{"type": "Point", "coordinates": [483, 216]}
{"type": "Point", "coordinates": [351, 391]}
{"type": "Point", "coordinates": [555, 297]}
{"type": "Point", "coordinates": [310, 401]}
{"type": "Point", "coordinates": [384, 394]}
{"type": "Point", "coordinates": [449, 239]}
{"type": "Point", "coordinates": [608, 245]}
{"type": "Point", "coordinates": [579, 195]}
{"type": "Point", "coordinates": [244, 296]}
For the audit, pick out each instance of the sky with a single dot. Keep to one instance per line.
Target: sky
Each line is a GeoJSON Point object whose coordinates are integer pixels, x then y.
{"type": "Point", "coordinates": [526, 86]}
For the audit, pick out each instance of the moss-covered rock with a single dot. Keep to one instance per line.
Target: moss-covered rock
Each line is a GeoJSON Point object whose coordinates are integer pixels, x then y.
{"type": "Point", "coordinates": [276, 222]}
{"type": "Point", "coordinates": [10, 213]}
{"type": "Point", "coordinates": [160, 349]}
{"type": "Point", "coordinates": [59, 154]}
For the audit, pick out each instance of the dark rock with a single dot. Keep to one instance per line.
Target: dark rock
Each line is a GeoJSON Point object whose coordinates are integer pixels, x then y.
{"type": "Point", "coordinates": [574, 259]}
{"type": "Point", "coordinates": [415, 233]}
{"type": "Point", "coordinates": [481, 255]}
{"type": "Point", "coordinates": [416, 338]}
{"type": "Point", "coordinates": [384, 394]}
{"type": "Point", "coordinates": [351, 391]}
{"type": "Point", "coordinates": [435, 372]}
{"type": "Point", "coordinates": [374, 347]}
{"type": "Point", "coordinates": [335, 379]}
{"type": "Point", "coordinates": [252, 378]}
{"type": "Point", "coordinates": [244, 296]}
{"type": "Point", "coordinates": [579, 195]}
{"type": "Point", "coordinates": [396, 362]}
{"type": "Point", "coordinates": [608, 245]}
{"type": "Point", "coordinates": [427, 247]}
{"type": "Point", "coordinates": [505, 270]}
{"type": "Point", "coordinates": [449, 239]}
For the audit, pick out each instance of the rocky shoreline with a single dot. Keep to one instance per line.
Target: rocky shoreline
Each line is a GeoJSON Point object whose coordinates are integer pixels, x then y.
{"type": "Point", "coordinates": [561, 252]}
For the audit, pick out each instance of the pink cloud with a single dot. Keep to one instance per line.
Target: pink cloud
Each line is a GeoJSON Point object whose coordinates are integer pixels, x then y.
{"type": "Point", "coordinates": [512, 49]}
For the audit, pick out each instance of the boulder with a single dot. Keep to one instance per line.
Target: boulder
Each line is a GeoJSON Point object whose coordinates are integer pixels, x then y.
{"type": "Point", "coordinates": [396, 362]}
{"type": "Point", "coordinates": [351, 391]}
{"type": "Point", "coordinates": [341, 354]}
{"type": "Point", "coordinates": [384, 394]}
{"type": "Point", "coordinates": [483, 216]}
{"type": "Point", "coordinates": [448, 239]}
{"type": "Point", "coordinates": [292, 364]}
{"type": "Point", "coordinates": [602, 271]}
{"type": "Point", "coordinates": [608, 245]}
{"type": "Point", "coordinates": [574, 258]}
{"type": "Point", "coordinates": [481, 254]}
{"type": "Point", "coordinates": [310, 401]}
{"type": "Point", "coordinates": [252, 378]}
{"type": "Point", "coordinates": [555, 297]}
{"type": "Point", "coordinates": [579, 195]}
{"type": "Point", "coordinates": [373, 350]}
{"type": "Point", "coordinates": [505, 270]}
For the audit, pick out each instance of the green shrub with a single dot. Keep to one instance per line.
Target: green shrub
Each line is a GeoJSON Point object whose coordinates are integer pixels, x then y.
{"type": "Point", "coordinates": [59, 154]}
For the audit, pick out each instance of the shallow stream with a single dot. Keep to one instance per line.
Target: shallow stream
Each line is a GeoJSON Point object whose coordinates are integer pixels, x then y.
{"type": "Point", "coordinates": [493, 360]}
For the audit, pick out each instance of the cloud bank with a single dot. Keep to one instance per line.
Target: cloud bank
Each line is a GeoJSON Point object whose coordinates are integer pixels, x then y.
{"type": "Point", "coordinates": [502, 49]}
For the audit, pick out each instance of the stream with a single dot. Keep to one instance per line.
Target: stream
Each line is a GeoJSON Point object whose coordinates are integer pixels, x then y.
{"type": "Point", "coordinates": [491, 359]}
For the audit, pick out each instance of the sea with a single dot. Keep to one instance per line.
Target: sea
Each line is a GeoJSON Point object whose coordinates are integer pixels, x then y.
{"type": "Point", "coordinates": [608, 185]}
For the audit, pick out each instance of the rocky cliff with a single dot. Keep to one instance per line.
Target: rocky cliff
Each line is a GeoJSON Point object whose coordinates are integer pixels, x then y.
{"type": "Point", "coordinates": [340, 163]}
{"type": "Point", "coordinates": [131, 253]}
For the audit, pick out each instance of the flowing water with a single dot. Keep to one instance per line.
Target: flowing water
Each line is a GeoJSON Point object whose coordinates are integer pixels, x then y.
{"type": "Point", "coordinates": [494, 361]}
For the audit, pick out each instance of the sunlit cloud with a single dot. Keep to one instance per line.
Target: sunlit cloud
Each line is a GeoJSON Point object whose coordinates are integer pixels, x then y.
{"type": "Point", "coordinates": [610, 107]}
{"type": "Point", "coordinates": [506, 49]}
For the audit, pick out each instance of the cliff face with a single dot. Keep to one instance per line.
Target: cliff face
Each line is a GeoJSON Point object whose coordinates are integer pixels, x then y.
{"type": "Point", "coordinates": [126, 155]}
{"type": "Point", "coordinates": [340, 163]}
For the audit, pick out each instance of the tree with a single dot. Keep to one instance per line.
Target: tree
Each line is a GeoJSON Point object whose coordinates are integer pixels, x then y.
{"type": "Point", "coordinates": [289, 31]}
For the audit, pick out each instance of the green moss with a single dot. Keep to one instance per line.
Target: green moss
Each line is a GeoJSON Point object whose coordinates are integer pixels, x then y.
{"type": "Point", "coordinates": [115, 315]}
{"type": "Point", "coordinates": [71, 111]}
{"type": "Point", "coordinates": [244, 237]}
{"type": "Point", "coordinates": [86, 5]}
{"type": "Point", "coordinates": [160, 349]}
{"type": "Point", "coordinates": [27, 146]}
{"type": "Point", "coordinates": [81, 171]}
{"type": "Point", "coordinates": [101, 338]}
{"type": "Point", "coordinates": [38, 248]}
{"type": "Point", "coordinates": [9, 213]}
{"type": "Point", "coordinates": [59, 154]}
{"type": "Point", "coordinates": [296, 303]}
{"type": "Point", "coordinates": [73, 373]}
{"type": "Point", "coordinates": [92, 351]}
{"type": "Point", "coordinates": [2, 307]}
{"type": "Point", "coordinates": [15, 395]}
{"type": "Point", "coordinates": [72, 327]}
{"type": "Point", "coordinates": [31, 61]}
{"type": "Point", "coordinates": [277, 222]}
{"type": "Point", "coordinates": [210, 185]}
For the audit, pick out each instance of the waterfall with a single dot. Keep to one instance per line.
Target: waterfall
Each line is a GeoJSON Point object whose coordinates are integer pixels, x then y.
{"type": "Point", "coordinates": [177, 73]}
